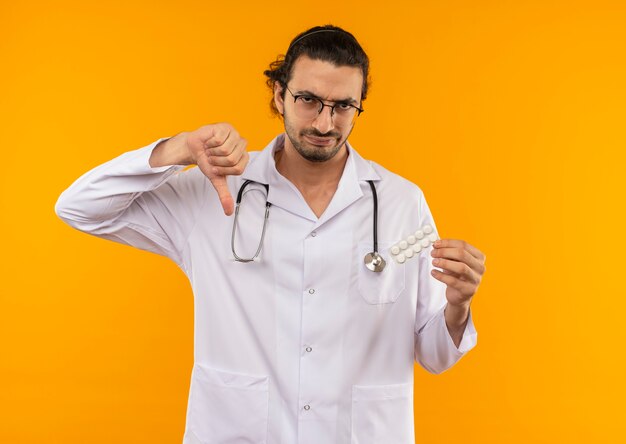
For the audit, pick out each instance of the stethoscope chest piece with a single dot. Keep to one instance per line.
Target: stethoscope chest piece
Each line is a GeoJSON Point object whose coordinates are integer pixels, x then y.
{"type": "Point", "coordinates": [374, 262]}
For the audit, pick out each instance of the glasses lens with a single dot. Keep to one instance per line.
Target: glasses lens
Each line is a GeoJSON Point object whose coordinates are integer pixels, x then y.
{"type": "Point", "coordinates": [344, 114]}
{"type": "Point", "coordinates": [308, 108]}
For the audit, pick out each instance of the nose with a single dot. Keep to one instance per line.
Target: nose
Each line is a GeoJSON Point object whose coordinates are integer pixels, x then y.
{"type": "Point", "coordinates": [324, 120]}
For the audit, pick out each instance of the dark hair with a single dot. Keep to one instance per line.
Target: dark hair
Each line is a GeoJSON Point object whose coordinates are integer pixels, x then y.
{"type": "Point", "coordinates": [327, 43]}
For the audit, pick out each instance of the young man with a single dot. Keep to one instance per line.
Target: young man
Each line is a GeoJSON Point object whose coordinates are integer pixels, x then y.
{"type": "Point", "coordinates": [313, 341]}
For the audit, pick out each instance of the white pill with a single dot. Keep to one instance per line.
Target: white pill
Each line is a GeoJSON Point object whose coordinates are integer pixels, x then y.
{"type": "Point", "coordinates": [419, 234]}
{"type": "Point", "coordinates": [409, 253]}
{"type": "Point", "coordinates": [417, 248]}
{"type": "Point", "coordinates": [425, 242]}
{"type": "Point", "coordinates": [432, 237]}
{"type": "Point", "coordinates": [403, 245]}
{"type": "Point", "coordinates": [411, 239]}
{"type": "Point", "coordinates": [395, 249]}
{"type": "Point", "coordinates": [400, 258]}
{"type": "Point", "coordinates": [427, 229]}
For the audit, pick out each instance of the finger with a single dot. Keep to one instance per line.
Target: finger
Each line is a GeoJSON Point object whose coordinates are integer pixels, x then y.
{"type": "Point", "coordinates": [209, 135]}
{"type": "Point", "coordinates": [231, 159]}
{"type": "Point", "coordinates": [451, 281]}
{"type": "Point", "coordinates": [458, 243]}
{"type": "Point", "coordinates": [460, 255]}
{"type": "Point", "coordinates": [443, 270]}
{"type": "Point", "coordinates": [221, 186]}
{"type": "Point", "coordinates": [459, 269]}
{"type": "Point", "coordinates": [236, 170]}
{"type": "Point", "coordinates": [228, 145]}
{"type": "Point", "coordinates": [215, 135]}
{"type": "Point", "coordinates": [456, 263]}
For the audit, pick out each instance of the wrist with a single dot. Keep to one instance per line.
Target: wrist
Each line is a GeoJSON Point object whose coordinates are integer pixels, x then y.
{"type": "Point", "coordinates": [457, 314]}
{"type": "Point", "coordinates": [460, 306]}
{"type": "Point", "coordinates": [172, 151]}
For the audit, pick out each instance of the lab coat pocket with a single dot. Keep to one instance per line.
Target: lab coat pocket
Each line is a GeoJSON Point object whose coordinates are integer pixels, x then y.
{"type": "Point", "coordinates": [383, 287]}
{"type": "Point", "coordinates": [382, 414]}
{"type": "Point", "coordinates": [228, 407]}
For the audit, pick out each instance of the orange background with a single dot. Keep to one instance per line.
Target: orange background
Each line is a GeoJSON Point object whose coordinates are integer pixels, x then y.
{"type": "Point", "coordinates": [508, 114]}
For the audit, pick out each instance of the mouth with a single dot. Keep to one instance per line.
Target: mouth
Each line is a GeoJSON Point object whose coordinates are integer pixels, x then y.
{"type": "Point", "coordinates": [320, 141]}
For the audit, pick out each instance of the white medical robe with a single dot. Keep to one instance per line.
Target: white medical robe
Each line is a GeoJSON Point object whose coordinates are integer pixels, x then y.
{"type": "Point", "coordinates": [305, 344]}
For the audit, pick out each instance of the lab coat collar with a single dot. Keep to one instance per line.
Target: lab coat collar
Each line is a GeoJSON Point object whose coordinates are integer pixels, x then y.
{"type": "Point", "coordinates": [284, 194]}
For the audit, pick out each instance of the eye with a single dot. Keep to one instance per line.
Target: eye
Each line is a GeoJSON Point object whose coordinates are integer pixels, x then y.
{"type": "Point", "coordinates": [307, 99]}
{"type": "Point", "coordinates": [343, 107]}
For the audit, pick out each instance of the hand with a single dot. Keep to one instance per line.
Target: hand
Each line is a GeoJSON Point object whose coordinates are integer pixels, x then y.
{"type": "Point", "coordinates": [463, 267]}
{"type": "Point", "coordinates": [219, 151]}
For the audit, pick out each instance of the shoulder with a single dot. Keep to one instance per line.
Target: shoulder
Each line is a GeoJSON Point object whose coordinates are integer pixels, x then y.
{"type": "Point", "coordinates": [395, 187]}
{"type": "Point", "coordinates": [389, 182]}
{"type": "Point", "coordinates": [402, 203]}
{"type": "Point", "coordinates": [254, 154]}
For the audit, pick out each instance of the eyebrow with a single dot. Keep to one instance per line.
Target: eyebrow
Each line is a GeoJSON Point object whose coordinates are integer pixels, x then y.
{"type": "Point", "coordinates": [349, 100]}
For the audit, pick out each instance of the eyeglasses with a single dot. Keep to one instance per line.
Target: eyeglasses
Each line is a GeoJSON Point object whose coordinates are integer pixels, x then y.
{"type": "Point", "coordinates": [308, 107]}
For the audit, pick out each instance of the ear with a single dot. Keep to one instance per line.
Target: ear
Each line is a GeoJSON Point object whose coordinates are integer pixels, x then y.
{"type": "Point", "coordinates": [278, 100]}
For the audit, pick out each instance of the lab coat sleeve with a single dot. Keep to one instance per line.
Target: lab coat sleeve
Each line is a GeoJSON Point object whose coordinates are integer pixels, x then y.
{"type": "Point", "coordinates": [128, 201]}
{"type": "Point", "coordinates": [434, 349]}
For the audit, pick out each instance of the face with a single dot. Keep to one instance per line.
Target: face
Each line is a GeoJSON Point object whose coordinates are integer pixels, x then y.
{"type": "Point", "coordinates": [318, 139]}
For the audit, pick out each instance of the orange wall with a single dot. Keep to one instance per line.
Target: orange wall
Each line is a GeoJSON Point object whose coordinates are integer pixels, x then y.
{"type": "Point", "coordinates": [508, 114]}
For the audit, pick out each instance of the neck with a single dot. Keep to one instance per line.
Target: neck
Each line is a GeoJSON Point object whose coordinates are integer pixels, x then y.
{"type": "Point", "coordinates": [316, 181]}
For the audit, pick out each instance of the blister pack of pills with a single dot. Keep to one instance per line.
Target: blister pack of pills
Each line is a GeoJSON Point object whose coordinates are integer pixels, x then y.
{"type": "Point", "coordinates": [413, 244]}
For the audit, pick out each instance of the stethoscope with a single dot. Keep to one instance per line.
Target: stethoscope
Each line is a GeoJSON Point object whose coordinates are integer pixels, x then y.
{"type": "Point", "coordinates": [373, 261]}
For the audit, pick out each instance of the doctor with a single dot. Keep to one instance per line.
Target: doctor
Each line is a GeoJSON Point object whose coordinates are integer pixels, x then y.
{"type": "Point", "coordinates": [304, 344]}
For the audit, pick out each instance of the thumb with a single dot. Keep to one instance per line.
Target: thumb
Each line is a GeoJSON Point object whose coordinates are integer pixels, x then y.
{"type": "Point", "coordinates": [221, 186]}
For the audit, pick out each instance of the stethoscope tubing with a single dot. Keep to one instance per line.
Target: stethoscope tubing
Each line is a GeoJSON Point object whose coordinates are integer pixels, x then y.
{"type": "Point", "coordinates": [268, 204]}
{"type": "Point", "coordinates": [267, 214]}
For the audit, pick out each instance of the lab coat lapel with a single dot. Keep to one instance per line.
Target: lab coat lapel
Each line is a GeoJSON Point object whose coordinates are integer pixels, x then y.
{"type": "Point", "coordinates": [356, 171]}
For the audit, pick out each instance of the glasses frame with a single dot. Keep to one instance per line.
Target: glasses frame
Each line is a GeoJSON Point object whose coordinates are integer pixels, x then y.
{"type": "Point", "coordinates": [322, 105]}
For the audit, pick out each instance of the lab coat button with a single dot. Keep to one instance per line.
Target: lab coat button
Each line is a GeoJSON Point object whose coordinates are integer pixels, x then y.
{"type": "Point", "coordinates": [425, 242]}
{"type": "Point", "coordinates": [307, 407]}
{"type": "Point", "coordinates": [427, 229]}
{"type": "Point", "coordinates": [395, 250]}
{"type": "Point", "coordinates": [309, 349]}
{"type": "Point", "coordinates": [419, 234]}
{"type": "Point", "coordinates": [411, 239]}
{"type": "Point", "coordinates": [311, 290]}
{"type": "Point", "coordinates": [403, 244]}
{"type": "Point", "coordinates": [313, 233]}
{"type": "Point", "coordinates": [409, 253]}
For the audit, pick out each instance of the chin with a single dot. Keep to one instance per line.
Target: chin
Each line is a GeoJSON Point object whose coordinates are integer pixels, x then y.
{"type": "Point", "coordinates": [321, 154]}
